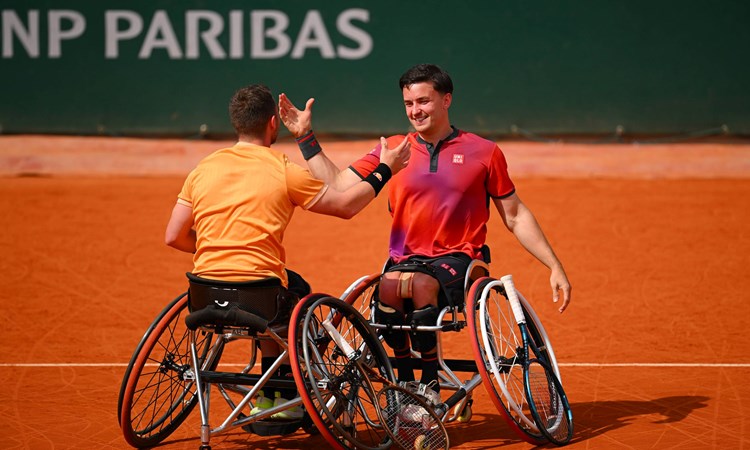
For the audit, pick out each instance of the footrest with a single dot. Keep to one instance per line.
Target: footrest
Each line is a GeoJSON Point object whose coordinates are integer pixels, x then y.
{"type": "Point", "coordinates": [273, 427]}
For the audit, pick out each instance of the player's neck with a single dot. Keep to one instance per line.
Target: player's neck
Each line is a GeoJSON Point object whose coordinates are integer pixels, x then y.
{"type": "Point", "coordinates": [263, 142]}
{"type": "Point", "coordinates": [433, 137]}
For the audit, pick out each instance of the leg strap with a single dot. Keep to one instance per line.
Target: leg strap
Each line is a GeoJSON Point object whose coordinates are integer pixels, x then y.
{"type": "Point", "coordinates": [405, 287]}
{"type": "Point", "coordinates": [424, 341]}
{"type": "Point", "coordinates": [396, 339]}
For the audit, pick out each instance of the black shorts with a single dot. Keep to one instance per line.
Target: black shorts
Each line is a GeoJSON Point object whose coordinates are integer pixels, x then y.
{"type": "Point", "coordinates": [449, 270]}
{"type": "Point", "coordinates": [297, 289]}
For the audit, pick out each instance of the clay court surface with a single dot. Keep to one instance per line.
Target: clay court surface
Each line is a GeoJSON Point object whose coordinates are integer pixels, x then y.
{"type": "Point", "coordinates": [655, 238]}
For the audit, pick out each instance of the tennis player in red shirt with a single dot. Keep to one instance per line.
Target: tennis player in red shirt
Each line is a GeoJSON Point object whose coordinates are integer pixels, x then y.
{"type": "Point", "coordinates": [440, 208]}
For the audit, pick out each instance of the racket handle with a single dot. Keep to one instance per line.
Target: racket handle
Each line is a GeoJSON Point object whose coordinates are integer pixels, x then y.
{"type": "Point", "coordinates": [339, 340]}
{"type": "Point", "coordinates": [515, 303]}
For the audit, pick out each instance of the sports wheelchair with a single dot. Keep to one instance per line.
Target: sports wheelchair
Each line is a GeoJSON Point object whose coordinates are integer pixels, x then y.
{"type": "Point", "coordinates": [338, 364]}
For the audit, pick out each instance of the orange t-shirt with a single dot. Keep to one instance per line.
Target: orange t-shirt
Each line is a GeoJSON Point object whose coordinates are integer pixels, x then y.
{"type": "Point", "coordinates": [243, 198]}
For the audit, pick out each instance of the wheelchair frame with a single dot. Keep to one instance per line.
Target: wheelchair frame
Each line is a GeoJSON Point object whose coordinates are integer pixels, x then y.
{"type": "Point", "coordinates": [194, 371]}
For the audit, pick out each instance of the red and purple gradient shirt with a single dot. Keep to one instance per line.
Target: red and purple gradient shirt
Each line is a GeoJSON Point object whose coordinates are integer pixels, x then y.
{"type": "Point", "coordinates": [440, 201]}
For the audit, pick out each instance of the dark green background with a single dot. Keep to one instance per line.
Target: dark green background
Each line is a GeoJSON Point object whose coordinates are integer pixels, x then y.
{"type": "Point", "coordinates": [553, 67]}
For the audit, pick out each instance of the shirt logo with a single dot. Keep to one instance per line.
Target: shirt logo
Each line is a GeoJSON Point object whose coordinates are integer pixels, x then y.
{"type": "Point", "coordinates": [458, 158]}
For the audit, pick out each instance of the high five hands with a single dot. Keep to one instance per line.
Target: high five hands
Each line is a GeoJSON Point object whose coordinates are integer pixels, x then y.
{"type": "Point", "coordinates": [297, 122]}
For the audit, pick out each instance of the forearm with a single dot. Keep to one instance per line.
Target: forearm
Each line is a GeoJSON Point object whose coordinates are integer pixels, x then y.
{"type": "Point", "coordinates": [345, 204]}
{"type": "Point", "coordinates": [348, 203]}
{"type": "Point", "coordinates": [530, 235]}
{"type": "Point", "coordinates": [522, 223]}
{"type": "Point", "coordinates": [358, 196]}
{"type": "Point", "coordinates": [320, 164]}
{"type": "Point", "coordinates": [324, 169]}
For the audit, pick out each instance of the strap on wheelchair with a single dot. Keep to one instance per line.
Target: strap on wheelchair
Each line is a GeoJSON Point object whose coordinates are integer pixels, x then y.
{"type": "Point", "coordinates": [226, 317]}
{"type": "Point", "coordinates": [421, 267]}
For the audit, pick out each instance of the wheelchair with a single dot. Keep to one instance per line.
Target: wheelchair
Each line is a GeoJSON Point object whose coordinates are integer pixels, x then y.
{"type": "Point", "coordinates": [496, 347]}
{"type": "Point", "coordinates": [336, 355]}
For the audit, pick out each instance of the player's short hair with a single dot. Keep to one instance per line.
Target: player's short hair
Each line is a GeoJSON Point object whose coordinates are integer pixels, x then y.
{"type": "Point", "coordinates": [251, 108]}
{"type": "Point", "coordinates": [427, 73]}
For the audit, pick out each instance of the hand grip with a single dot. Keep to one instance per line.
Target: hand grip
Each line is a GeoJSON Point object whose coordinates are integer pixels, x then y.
{"type": "Point", "coordinates": [339, 340]}
{"type": "Point", "coordinates": [515, 303]}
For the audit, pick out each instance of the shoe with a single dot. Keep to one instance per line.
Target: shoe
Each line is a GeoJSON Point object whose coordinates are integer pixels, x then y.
{"type": "Point", "coordinates": [413, 413]}
{"type": "Point", "coordinates": [294, 413]}
{"type": "Point", "coordinates": [424, 391]}
{"type": "Point", "coordinates": [262, 403]}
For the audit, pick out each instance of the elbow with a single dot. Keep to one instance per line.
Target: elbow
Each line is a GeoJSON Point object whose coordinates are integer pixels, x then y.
{"type": "Point", "coordinates": [348, 209]}
{"type": "Point", "coordinates": [351, 210]}
{"type": "Point", "coordinates": [170, 239]}
{"type": "Point", "coordinates": [345, 213]}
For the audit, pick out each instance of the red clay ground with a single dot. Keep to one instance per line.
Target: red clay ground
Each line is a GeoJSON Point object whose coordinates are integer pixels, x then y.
{"type": "Point", "coordinates": [656, 244]}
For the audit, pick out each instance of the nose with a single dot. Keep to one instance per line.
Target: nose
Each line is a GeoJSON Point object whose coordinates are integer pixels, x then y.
{"type": "Point", "coordinates": [414, 110]}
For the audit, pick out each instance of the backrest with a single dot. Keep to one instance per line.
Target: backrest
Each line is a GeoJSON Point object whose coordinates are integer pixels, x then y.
{"type": "Point", "coordinates": [259, 297]}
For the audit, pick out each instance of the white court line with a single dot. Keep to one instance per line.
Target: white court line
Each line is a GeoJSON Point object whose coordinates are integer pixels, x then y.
{"type": "Point", "coordinates": [717, 365]}
{"type": "Point", "coordinates": [727, 365]}
{"type": "Point", "coordinates": [95, 365]}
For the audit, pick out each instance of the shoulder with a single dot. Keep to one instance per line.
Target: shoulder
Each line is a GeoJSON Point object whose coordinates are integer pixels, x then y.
{"type": "Point", "coordinates": [475, 139]}
{"type": "Point", "coordinates": [482, 148]}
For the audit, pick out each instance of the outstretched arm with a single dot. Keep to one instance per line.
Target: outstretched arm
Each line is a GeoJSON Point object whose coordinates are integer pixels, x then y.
{"type": "Point", "coordinates": [522, 223]}
{"type": "Point", "coordinates": [346, 204]}
{"type": "Point", "coordinates": [299, 123]}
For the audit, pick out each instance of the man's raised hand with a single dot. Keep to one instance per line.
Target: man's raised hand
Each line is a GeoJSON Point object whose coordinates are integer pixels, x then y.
{"type": "Point", "coordinates": [398, 158]}
{"type": "Point", "coordinates": [297, 122]}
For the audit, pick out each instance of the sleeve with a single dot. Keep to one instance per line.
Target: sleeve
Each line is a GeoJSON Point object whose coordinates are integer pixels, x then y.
{"type": "Point", "coordinates": [185, 197]}
{"type": "Point", "coordinates": [303, 189]}
{"type": "Point", "coordinates": [499, 184]}
{"type": "Point", "coordinates": [366, 164]}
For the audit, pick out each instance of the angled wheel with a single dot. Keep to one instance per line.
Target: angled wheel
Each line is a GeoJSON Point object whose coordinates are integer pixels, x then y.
{"type": "Point", "coordinates": [361, 294]}
{"type": "Point", "coordinates": [497, 344]}
{"type": "Point", "coordinates": [156, 395]}
{"type": "Point", "coordinates": [334, 386]}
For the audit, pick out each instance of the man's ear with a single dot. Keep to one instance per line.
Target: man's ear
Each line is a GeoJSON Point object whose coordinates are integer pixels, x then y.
{"type": "Point", "coordinates": [447, 99]}
{"type": "Point", "coordinates": [273, 125]}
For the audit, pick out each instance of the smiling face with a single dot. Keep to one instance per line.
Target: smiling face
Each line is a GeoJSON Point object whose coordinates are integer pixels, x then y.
{"type": "Point", "coordinates": [427, 110]}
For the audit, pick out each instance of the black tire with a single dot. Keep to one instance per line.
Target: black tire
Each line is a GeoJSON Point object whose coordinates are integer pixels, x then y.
{"type": "Point", "coordinates": [505, 382]}
{"type": "Point", "coordinates": [336, 391]}
{"type": "Point", "coordinates": [154, 397]}
{"type": "Point", "coordinates": [362, 295]}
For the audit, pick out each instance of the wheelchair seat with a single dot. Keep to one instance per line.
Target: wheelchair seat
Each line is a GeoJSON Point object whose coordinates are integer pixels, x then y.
{"type": "Point", "coordinates": [252, 305]}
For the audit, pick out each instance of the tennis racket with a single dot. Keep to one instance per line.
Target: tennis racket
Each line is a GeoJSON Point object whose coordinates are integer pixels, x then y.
{"type": "Point", "coordinates": [547, 401]}
{"type": "Point", "coordinates": [407, 418]}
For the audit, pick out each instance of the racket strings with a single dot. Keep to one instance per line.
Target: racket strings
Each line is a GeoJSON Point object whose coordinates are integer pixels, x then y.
{"type": "Point", "coordinates": [547, 402]}
{"type": "Point", "coordinates": [410, 424]}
